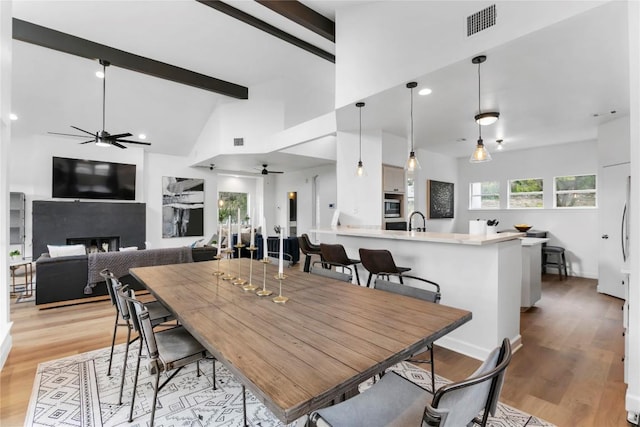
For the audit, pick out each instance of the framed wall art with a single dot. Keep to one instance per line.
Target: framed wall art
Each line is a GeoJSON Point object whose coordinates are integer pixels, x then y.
{"type": "Point", "coordinates": [439, 199]}
{"type": "Point", "coordinates": [182, 207]}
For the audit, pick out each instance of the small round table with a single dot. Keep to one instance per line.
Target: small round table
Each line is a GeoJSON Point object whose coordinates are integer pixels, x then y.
{"type": "Point", "coordinates": [28, 275]}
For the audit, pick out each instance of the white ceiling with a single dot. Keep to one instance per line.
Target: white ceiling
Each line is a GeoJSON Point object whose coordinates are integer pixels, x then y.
{"type": "Point", "coordinates": [546, 85]}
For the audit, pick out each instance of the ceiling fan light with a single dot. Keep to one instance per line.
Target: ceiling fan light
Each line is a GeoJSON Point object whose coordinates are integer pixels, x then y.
{"type": "Point", "coordinates": [102, 144]}
{"type": "Point", "coordinates": [480, 154]}
{"type": "Point", "coordinates": [485, 119]}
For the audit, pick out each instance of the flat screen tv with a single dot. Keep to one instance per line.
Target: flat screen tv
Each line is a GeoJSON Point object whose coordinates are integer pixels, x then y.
{"type": "Point", "coordinates": [90, 179]}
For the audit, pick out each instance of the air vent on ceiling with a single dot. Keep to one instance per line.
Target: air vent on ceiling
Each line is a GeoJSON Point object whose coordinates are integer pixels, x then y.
{"type": "Point", "coordinates": [481, 20]}
{"type": "Point", "coordinates": [238, 142]}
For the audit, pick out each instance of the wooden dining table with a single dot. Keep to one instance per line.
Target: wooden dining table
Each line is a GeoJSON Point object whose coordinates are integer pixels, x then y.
{"type": "Point", "coordinates": [298, 356]}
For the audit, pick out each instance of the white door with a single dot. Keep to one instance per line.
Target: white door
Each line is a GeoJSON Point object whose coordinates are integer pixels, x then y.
{"type": "Point", "coordinates": [612, 193]}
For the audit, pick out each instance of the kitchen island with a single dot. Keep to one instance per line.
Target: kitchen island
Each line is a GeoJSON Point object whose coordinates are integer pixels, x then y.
{"type": "Point", "coordinates": [479, 273]}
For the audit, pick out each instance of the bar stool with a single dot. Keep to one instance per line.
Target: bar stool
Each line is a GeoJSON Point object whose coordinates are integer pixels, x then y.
{"type": "Point", "coordinates": [308, 249]}
{"type": "Point", "coordinates": [553, 256]}
{"type": "Point", "coordinates": [335, 254]}
{"type": "Point", "coordinates": [380, 261]}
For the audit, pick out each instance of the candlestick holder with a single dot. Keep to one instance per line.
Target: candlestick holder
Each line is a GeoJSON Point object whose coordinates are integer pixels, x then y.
{"type": "Point", "coordinates": [238, 280]}
{"type": "Point", "coordinates": [280, 299]}
{"type": "Point", "coordinates": [228, 276]}
{"type": "Point", "coordinates": [250, 286]}
{"type": "Point", "coordinates": [264, 292]}
{"type": "Point", "coordinates": [218, 257]}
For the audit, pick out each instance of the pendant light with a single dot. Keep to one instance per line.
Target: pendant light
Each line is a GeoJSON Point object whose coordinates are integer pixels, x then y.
{"type": "Point", "coordinates": [480, 154]}
{"type": "Point", "coordinates": [490, 117]}
{"type": "Point", "coordinates": [360, 168]}
{"type": "Point", "coordinates": [412, 162]}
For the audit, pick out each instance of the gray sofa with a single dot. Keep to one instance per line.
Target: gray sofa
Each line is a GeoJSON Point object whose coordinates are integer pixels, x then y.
{"type": "Point", "coordinates": [72, 279]}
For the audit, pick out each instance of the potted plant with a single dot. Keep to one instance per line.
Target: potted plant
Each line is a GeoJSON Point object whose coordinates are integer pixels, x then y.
{"type": "Point", "coordinates": [15, 254]}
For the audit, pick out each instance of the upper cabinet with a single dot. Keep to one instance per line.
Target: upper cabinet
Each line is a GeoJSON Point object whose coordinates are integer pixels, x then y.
{"type": "Point", "coordinates": [393, 180]}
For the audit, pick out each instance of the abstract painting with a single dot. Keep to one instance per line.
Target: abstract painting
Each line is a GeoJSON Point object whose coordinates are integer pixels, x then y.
{"type": "Point", "coordinates": [182, 207]}
{"type": "Point", "coordinates": [440, 199]}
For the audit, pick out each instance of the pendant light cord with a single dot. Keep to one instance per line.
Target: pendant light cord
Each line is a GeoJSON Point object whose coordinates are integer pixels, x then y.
{"type": "Point", "coordinates": [479, 111]}
{"type": "Point", "coordinates": [104, 91]}
{"type": "Point", "coordinates": [360, 149]}
{"type": "Point", "coordinates": [411, 114]}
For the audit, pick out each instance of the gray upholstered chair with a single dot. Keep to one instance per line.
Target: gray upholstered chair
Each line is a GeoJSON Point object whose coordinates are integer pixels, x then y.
{"type": "Point", "coordinates": [326, 269]}
{"type": "Point", "coordinates": [432, 295]}
{"type": "Point", "coordinates": [378, 261]}
{"type": "Point", "coordinates": [336, 254]}
{"type": "Point", "coordinates": [159, 314]}
{"type": "Point", "coordinates": [168, 350]}
{"type": "Point", "coordinates": [396, 401]}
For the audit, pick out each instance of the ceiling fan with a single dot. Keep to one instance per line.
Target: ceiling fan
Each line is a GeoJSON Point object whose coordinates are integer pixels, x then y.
{"type": "Point", "coordinates": [103, 138]}
{"type": "Point", "coordinates": [264, 170]}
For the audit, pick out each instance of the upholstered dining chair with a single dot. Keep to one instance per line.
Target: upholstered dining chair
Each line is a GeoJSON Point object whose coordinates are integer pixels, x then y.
{"type": "Point", "coordinates": [431, 294]}
{"type": "Point", "coordinates": [308, 249]}
{"type": "Point", "coordinates": [396, 401]}
{"type": "Point", "coordinates": [378, 261]}
{"type": "Point", "coordinates": [159, 314]}
{"type": "Point", "coordinates": [168, 350]}
{"type": "Point", "coordinates": [335, 254]}
{"type": "Point", "coordinates": [326, 269]}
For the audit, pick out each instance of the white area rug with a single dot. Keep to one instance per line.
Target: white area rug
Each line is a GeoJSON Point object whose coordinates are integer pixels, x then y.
{"type": "Point", "coordinates": [75, 391]}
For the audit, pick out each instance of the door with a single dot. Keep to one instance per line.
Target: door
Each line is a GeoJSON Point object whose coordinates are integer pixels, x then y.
{"type": "Point", "coordinates": [613, 198]}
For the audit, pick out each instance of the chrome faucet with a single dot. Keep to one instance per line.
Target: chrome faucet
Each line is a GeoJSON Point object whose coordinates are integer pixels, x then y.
{"type": "Point", "coordinates": [424, 221]}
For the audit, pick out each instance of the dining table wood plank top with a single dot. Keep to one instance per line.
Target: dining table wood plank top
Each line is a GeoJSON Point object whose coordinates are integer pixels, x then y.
{"type": "Point", "coordinates": [298, 356]}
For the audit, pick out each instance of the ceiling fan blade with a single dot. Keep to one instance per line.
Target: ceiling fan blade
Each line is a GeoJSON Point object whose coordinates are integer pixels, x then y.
{"type": "Point", "coordinates": [82, 130]}
{"type": "Point", "coordinates": [275, 171]}
{"type": "Point", "coordinates": [117, 145]}
{"type": "Point", "coordinates": [67, 134]}
{"type": "Point", "coordinates": [133, 142]}
{"type": "Point", "coordinates": [86, 142]}
{"type": "Point", "coordinates": [120, 135]}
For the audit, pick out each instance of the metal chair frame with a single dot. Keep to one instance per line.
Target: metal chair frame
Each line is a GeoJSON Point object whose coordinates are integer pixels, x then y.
{"type": "Point", "coordinates": [325, 269]}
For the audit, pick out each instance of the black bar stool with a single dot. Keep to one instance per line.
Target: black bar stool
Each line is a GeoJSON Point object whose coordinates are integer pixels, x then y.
{"type": "Point", "coordinates": [553, 256]}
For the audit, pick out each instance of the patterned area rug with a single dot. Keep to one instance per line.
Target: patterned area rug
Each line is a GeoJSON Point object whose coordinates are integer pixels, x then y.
{"type": "Point", "coordinates": [75, 391]}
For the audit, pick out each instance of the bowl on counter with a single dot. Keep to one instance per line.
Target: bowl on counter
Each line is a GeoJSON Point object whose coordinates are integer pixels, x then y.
{"type": "Point", "coordinates": [522, 227]}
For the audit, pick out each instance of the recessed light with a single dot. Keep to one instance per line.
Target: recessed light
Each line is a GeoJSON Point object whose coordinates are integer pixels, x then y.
{"type": "Point", "coordinates": [461, 139]}
{"type": "Point", "coordinates": [100, 74]}
{"type": "Point", "coordinates": [13, 116]}
{"type": "Point", "coordinates": [424, 91]}
{"type": "Point", "coordinates": [142, 136]}
{"type": "Point", "coordinates": [499, 142]}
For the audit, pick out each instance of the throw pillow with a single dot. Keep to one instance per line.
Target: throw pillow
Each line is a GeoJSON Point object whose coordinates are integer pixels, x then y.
{"type": "Point", "coordinates": [67, 250]}
{"type": "Point", "coordinates": [128, 248]}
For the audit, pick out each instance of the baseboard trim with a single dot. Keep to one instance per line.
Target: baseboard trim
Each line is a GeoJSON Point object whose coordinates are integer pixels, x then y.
{"type": "Point", "coordinates": [6, 341]}
{"type": "Point", "coordinates": [475, 351]}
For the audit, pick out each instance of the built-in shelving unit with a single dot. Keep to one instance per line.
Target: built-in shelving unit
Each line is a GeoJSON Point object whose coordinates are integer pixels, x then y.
{"type": "Point", "coordinates": [17, 220]}
{"type": "Point", "coordinates": [394, 185]}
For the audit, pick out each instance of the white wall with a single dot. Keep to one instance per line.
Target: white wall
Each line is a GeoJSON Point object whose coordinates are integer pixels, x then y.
{"type": "Point", "coordinates": [613, 142]}
{"type": "Point", "coordinates": [383, 44]}
{"type": "Point", "coordinates": [574, 229]}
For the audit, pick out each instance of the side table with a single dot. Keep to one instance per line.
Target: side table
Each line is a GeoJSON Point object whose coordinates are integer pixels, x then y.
{"type": "Point", "coordinates": [25, 263]}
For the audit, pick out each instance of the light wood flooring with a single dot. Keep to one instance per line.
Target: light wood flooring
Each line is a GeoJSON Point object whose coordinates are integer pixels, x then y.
{"type": "Point", "coordinates": [569, 371]}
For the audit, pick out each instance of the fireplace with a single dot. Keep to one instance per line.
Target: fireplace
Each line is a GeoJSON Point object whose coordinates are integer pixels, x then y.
{"type": "Point", "coordinates": [96, 244]}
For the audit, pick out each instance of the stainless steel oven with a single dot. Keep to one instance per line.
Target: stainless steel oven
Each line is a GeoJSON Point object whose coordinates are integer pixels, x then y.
{"type": "Point", "coordinates": [392, 208]}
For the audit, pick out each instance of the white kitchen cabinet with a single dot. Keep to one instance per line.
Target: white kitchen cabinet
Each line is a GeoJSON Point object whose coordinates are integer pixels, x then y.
{"type": "Point", "coordinates": [393, 179]}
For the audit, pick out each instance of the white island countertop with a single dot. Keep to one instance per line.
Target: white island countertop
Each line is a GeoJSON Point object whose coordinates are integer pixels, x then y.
{"type": "Point", "coordinates": [422, 236]}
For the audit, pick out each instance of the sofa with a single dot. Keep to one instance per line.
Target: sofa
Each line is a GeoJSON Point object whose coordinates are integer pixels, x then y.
{"type": "Point", "coordinates": [74, 279]}
{"type": "Point", "coordinates": [291, 248]}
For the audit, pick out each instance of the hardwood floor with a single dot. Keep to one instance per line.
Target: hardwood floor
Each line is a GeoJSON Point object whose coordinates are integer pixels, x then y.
{"type": "Point", "coordinates": [569, 371]}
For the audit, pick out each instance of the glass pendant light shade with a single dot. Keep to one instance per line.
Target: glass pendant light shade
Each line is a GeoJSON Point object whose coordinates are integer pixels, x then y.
{"type": "Point", "coordinates": [480, 154]}
{"type": "Point", "coordinates": [412, 164]}
{"type": "Point", "coordinates": [360, 168]}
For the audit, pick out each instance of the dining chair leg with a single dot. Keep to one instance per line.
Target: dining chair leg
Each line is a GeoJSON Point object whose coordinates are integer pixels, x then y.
{"type": "Point", "coordinates": [135, 383]}
{"type": "Point", "coordinates": [214, 374]}
{"type": "Point", "coordinates": [155, 396]}
{"type": "Point", "coordinates": [124, 364]}
{"type": "Point", "coordinates": [433, 375]}
{"type": "Point", "coordinates": [113, 342]}
{"type": "Point", "coordinates": [244, 406]}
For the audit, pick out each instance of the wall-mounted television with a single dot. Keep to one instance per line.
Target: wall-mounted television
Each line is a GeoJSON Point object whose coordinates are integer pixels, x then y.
{"type": "Point", "coordinates": [90, 179]}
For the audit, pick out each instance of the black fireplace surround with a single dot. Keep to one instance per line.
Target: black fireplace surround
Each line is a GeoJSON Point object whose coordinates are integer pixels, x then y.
{"type": "Point", "coordinates": [57, 223]}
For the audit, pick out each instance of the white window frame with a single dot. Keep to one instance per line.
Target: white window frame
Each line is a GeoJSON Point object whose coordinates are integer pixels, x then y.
{"type": "Point", "coordinates": [472, 195]}
{"type": "Point", "coordinates": [530, 192]}
{"type": "Point", "coordinates": [556, 192]}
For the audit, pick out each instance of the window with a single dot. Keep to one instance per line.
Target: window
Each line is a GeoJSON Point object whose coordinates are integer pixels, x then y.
{"type": "Point", "coordinates": [228, 205]}
{"type": "Point", "coordinates": [574, 191]}
{"type": "Point", "coordinates": [484, 195]}
{"type": "Point", "coordinates": [525, 194]}
{"type": "Point", "coordinates": [411, 191]}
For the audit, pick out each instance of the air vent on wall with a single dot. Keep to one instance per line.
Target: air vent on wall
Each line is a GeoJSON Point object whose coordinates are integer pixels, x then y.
{"type": "Point", "coordinates": [481, 20]}
{"type": "Point", "coordinates": [238, 142]}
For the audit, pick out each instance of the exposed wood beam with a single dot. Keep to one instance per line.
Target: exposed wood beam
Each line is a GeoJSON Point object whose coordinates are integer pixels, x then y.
{"type": "Point", "coordinates": [303, 15]}
{"type": "Point", "coordinates": [267, 28]}
{"type": "Point", "coordinates": [52, 39]}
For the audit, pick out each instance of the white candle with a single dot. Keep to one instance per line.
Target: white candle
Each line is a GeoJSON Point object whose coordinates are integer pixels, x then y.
{"type": "Point", "coordinates": [229, 237]}
{"type": "Point", "coordinates": [239, 226]}
{"type": "Point", "coordinates": [253, 232]}
{"type": "Point", "coordinates": [280, 265]}
{"type": "Point", "coordinates": [265, 250]}
{"type": "Point", "coordinates": [219, 237]}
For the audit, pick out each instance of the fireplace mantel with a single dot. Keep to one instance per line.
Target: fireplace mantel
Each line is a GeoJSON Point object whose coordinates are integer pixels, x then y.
{"type": "Point", "coordinates": [56, 221]}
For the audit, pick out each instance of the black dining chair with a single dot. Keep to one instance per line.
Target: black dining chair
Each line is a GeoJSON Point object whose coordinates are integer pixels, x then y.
{"type": "Point", "coordinates": [396, 401]}
{"type": "Point", "coordinates": [335, 254]}
{"type": "Point", "coordinates": [378, 261]}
